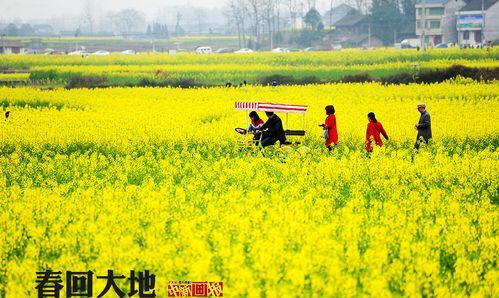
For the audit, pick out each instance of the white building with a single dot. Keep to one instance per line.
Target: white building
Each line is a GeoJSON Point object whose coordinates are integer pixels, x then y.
{"type": "Point", "coordinates": [475, 25]}
{"type": "Point", "coordinates": [436, 20]}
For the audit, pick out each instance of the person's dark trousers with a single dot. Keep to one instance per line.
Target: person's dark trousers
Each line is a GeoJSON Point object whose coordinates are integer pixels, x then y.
{"type": "Point", "coordinates": [418, 143]}
{"type": "Point", "coordinates": [268, 141]}
{"type": "Point", "coordinates": [256, 137]}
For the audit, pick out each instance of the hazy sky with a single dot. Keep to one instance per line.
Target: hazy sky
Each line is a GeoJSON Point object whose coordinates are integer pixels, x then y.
{"type": "Point", "coordinates": [45, 9]}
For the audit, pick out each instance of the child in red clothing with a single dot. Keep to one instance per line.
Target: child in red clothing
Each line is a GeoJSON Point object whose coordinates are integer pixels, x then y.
{"type": "Point", "coordinates": [374, 128]}
{"type": "Point", "coordinates": [330, 126]}
{"type": "Point", "coordinates": [256, 122]}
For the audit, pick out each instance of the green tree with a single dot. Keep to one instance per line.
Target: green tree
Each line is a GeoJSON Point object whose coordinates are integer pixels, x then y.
{"type": "Point", "coordinates": [11, 30]}
{"type": "Point", "coordinates": [314, 31]}
{"type": "Point", "coordinates": [387, 19]}
{"type": "Point", "coordinates": [26, 29]}
{"type": "Point", "coordinates": [313, 18]}
{"type": "Point", "coordinates": [409, 10]}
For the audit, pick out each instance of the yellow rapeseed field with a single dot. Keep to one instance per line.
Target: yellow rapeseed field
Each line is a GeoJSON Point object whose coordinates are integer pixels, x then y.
{"type": "Point", "coordinates": [257, 67]}
{"type": "Point", "coordinates": [161, 69]}
{"type": "Point", "coordinates": [154, 178]}
{"type": "Point", "coordinates": [14, 77]}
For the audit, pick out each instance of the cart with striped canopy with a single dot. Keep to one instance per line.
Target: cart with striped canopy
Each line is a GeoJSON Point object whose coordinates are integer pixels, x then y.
{"type": "Point", "coordinates": [278, 108]}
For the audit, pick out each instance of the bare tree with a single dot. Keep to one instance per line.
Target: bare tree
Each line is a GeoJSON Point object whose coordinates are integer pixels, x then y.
{"type": "Point", "coordinates": [88, 15]}
{"type": "Point", "coordinates": [331, 5]}
{"type": "Point", "coordinates": [200, 15]}
{"type": "Point", "coordinates": [127, 19]}
{"type": "Point", "coordinates": [277, 19]}
{"type": "Point", "coordinates": [179, 31]}
{"type": "Point", "coordinates": [360, 5]}
{"type": "Point", "coordinates": [256, 18]}
{"type": "Point", "coordinates": [101, 22]}
{"type": "Point", "coordinates": [238, 13]}
{"type": "Point", "coordinates": [311, 4]}
{"type": "Point", "coordinates": [293, 12]}
{"type": "Point", "coordinates": [262, 15]}
{"type": "Point", "coordinates": [269, 16]}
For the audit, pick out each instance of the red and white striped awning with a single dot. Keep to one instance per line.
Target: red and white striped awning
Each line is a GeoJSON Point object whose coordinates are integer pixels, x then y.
{"type": "Point", "coordinates": [270, 107]}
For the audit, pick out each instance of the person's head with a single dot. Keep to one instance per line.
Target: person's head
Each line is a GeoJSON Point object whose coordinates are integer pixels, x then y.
{"type": "Point", "coordinates": [421, 108]}
{"type": "Point", "coordinates": [269, 114]}
{"type": "Point", "coordinates": [329, 110]}
{"type": "Point", "coordinates": [372, 117]}
{"type": "Point", "coordinates": [254, 115]}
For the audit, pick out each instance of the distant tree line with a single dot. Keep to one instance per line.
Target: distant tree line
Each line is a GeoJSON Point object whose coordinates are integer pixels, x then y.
{"type": "Point", "coordinates": [261, 23]}
{"type": "Point", "coordinates": [15, 30]}
{"type": "Point", "coordinates": [158, 30]}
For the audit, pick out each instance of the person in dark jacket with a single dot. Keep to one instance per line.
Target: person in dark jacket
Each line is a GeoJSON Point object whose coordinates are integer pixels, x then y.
{"type": "Point", "coordinates": [423, 127]}
{"type": "Point", "coordinates": [272, 130]}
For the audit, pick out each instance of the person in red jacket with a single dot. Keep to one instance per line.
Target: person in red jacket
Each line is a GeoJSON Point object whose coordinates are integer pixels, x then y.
{"type": "Point", "coordinates": [374, 129]}
{"type": "Point", "coordinates": [256, 121]}
{"type": "Point", "coordinates": [330, 127]}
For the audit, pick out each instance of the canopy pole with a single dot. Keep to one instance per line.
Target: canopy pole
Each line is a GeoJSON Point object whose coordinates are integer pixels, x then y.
{"type": "Point", "coordinates": [245, 118]}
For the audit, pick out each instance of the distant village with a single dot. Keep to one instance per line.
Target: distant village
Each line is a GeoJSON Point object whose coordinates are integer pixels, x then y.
{"type": "Point", "coordinates": [279, 28]}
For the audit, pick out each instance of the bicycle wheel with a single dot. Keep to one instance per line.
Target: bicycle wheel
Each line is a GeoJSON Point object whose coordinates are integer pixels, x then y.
{"type": "Point", "coordinates": [241, 130]}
